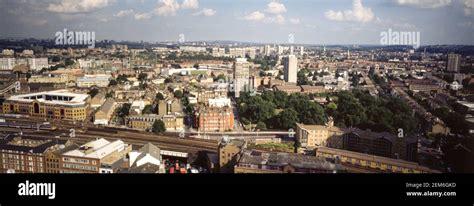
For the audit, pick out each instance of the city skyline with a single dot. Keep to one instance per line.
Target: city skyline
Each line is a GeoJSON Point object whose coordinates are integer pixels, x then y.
{"type": "Point", "coordinates": [308, 22]}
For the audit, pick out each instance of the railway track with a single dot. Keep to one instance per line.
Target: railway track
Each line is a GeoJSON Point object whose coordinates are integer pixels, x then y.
{"type": "Point", "coordinates": [167, 143]}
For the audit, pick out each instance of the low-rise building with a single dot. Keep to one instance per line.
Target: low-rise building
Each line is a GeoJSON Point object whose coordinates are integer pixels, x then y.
{"type": "Point", "coordinates": [319, 135]}
{"type": "Point", "coordinates": [289, 89]}
{"type": "Point", "coordinates": [366, 163]}
{"type": "Point", "coordinates": [253, 161]}
{"type": "Point", "coordinates": [145, 122]}
{"type": "Point", "coordinates": [99, 156]}
{"type": "Point", "coordinates": [22, 154]}
{"type": "Point", "coordinates": [142, 122]}
{"type": "Point", "coordinates": [229, 152]}
{"type": "Point", "coordinates": [105, 112]}
{"type": "Point", "coordinates": [313, 89]}
{"type": "Point", "coordinates": [147, 159]}
{"type": "Point", "coordinates": [214, 119]}
{"type": "Point", "coordinates": [97, 100]}
{"type": "Point", "coordinates": [99, 80]}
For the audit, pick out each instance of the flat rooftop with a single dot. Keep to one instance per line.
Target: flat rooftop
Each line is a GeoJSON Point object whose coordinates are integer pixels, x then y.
{"type": "Point", "coordinates": [97, 149]}
{"type": "Point", "coordinates": [58, 97]}
{"type": "Point", "coordinates": [281, 159]}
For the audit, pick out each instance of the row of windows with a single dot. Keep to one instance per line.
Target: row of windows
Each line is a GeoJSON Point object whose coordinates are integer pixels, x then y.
{"type": "Point", "coordinates": [373, 164]}
{"type": "Point", "coordinates": [77, 160]}
{"type": "Point", "coordinates": [80, 167]}
{"type": "Point", "coordinates": [18, 168]}
{"type": "Point", "coordinates": [19, 157]}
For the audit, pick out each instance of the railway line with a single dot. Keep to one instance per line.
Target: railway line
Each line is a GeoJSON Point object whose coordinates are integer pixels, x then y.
{"type": "Point", "coordinates": [136, 138]}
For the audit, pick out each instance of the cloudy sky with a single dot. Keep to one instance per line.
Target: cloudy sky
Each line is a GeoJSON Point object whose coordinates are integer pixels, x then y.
{"type": "Point", "coordinates": [271, 21]}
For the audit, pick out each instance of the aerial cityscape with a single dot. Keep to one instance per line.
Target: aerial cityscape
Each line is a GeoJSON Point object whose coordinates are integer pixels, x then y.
{"type": "Point", "coordinates": [203, 86]}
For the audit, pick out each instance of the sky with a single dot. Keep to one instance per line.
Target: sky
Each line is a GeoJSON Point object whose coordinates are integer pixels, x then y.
{"type": "Point", "coordinates": [262, 21]}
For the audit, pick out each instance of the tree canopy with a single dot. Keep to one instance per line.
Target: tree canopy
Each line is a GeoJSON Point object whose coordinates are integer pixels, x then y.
{"type": "Point", "coordinates": [158, 127]}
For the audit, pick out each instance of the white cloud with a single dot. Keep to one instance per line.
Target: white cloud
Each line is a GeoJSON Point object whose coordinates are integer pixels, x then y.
{"type": "Point", "coordinates": [295, 20]}
{"type": "Point", "coordinates": [469, 7]}
{"type": "Point", "coordinates": [190, 4]}
{"type": "Point", "coordinates": [142, 16]}
{"type": "Point", "coordinates": [123, 13]}
{"type": "Point", "coordinates": [166, 8]}
{"type": "Point", "coordinates": [275, 8]}
{"type": "Point", "coordinates": [77, 6]}
{"type": "Point", "coordinates": [426, 4]}
{"type": "Point", "coordinates": [359, 13]}
{"type": "Point", "coordinates": [255, 16]}
{"type": "Point", "coordinates": [205, 12]}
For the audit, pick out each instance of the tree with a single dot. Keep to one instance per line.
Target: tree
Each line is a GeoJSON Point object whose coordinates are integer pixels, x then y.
{"type": "Point", "coordinates": [113, 82]}
{"type": "Point", "coordinates": [287, 119]}
{"type": "Point", "coordinates": [281, 99]}
{"type": "Point", "coordinates": [142, 77]}
{"type": "Point", "coordinates": [176, 66]}
{"type": "Point", "coordinates": [148, 109]}
{"type": "Point", "coordinates": [220, 77]}
{"type": "Point", "coordinates": [189, 109]}
{"type": "Point", "coordinates": [124, 110]}
{"type": "Point", "coordinates": [261, 126]}
{"type": "Point", "coordinates": [94, 91]}
{"type": "Point", "coordinates": [159, 96]}
{"type": "Point", "coordinates": [69, 62]}
{"type": "Point", "coordinates": [122, 79]}
{"type": "Point", "coordinates": [355, 80]}
{"type": "Point", "coordinates": [350, 111]}
{"type": "Point", "coordinates": [158, 127]}
{"type": "Point", "coordinates": [255, 109]}
{"type": "Point", "coordinates": [178, 94]}
{"type": "Point", "coordinates": [143, 86]}
{"type": "Point", "coordinates": [55, 59]}
{"type": "Point", "coordinates": [168, 80]}
{"type": "Point", "coordinates": [302, 78]}
{"type": "Point", "coordinates": [109, 95]}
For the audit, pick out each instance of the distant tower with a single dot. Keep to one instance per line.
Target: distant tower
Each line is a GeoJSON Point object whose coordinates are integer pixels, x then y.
{"type": "Point", "coordinates": [280, 50]}
{"type": "Point", "coordinates": [452, 65]}
{"type": "Point", "coordinates": [291, 68]}
{"type": "Point", "coordinates": [301, 51]}
{"type": "Point", "coordinates": [348, 54]}
{"type": "Point", "coordinates": [292, 48]}
{"type": "Point", "coordinates": [241, 75]}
